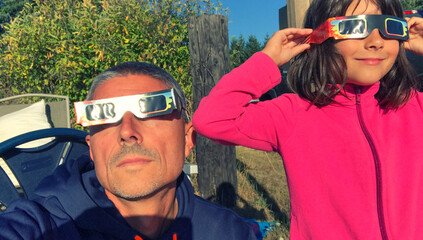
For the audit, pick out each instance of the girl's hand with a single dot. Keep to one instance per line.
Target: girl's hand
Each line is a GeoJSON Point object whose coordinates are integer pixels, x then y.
{"type": "Point", "coordinates": [415, 30]}
{"type": "Point", "coordinates": [284, 44]}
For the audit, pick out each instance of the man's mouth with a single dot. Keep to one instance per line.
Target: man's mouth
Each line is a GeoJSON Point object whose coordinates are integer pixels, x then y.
{"type": "Point", "coordinates": [133, 161]}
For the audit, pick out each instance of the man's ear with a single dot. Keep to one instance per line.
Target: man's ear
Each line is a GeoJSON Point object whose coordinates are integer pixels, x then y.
{"type": "Point", "coordinates": [87, 140]}
{"type": "Point", "coordinates": [190, 136]}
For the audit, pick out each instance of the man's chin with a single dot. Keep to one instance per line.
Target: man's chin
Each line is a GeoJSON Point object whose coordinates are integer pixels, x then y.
{"type": "Point", "coordinates": [140, 187]}
{"type": "Point", "coordinates": [133, 193]}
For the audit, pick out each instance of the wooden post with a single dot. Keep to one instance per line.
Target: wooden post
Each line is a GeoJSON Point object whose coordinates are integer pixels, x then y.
{"type": "Point", "coordinates": [209, 50]}
{"type": "Point", "coordinates": [296, 12]}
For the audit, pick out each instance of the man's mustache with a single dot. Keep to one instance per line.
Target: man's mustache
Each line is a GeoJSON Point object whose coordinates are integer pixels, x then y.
{"type": "Point", "coordinates": [134, 149]}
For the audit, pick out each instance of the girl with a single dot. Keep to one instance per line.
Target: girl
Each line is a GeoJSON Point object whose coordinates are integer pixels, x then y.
{"type": "Point", "coordinates": [351, 137]}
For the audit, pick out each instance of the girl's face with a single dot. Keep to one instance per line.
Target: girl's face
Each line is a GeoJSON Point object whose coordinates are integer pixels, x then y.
{"type": "Point", "coordinates": [368, 59]}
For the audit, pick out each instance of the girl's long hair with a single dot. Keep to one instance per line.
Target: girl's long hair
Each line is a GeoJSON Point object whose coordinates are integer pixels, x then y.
{"type": "Point", "coordinates": [320, 73]}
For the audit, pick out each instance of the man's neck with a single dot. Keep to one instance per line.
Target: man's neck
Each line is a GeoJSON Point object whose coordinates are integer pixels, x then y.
{"type": "Point", "coordinates": [152, 215]}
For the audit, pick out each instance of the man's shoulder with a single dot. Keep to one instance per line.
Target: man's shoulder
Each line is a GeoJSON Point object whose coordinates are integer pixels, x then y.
{"type": "Point", "coordinates": [207, 219]}
{"type": "Point", "coordinates": [220, 220]}
{"type": "Point", "coordinates": [204, 205]}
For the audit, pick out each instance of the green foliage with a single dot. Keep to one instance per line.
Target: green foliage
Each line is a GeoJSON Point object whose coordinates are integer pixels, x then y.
{"type": "Point", "coordinates": [252, 45]}
{"type": "Point", "coordinates": [240, 50]}
{"type": "Point", "coordinates": [266, 39]}
{"type": "Point", "coordinates": [58, 46]}
{"type": "Point", "coordinates": [9, 9]}
{"type": "Point", "coordinates": [412, 4]}
{"type": "Point", "coordinates": [237, 51]}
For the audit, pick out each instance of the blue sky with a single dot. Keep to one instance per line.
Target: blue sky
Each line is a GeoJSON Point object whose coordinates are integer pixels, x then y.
{"type": "Point", "coordinates": [253, 17]}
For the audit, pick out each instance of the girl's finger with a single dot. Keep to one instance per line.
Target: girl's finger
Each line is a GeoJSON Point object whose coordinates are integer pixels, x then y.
{"type": "Point", "coordinates": [415, 24]}
{"type": "Point", "coordinates": [300, 48]}
{"type": "Point", "coordinates": [296, 31]}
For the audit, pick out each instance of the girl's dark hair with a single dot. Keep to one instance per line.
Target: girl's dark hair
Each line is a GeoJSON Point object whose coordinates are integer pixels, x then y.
{"type": "Point", "coordinates": [320, 73]}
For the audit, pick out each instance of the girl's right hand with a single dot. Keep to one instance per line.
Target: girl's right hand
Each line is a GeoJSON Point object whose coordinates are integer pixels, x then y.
{"type": "Point", "coordinates": [284, 44]}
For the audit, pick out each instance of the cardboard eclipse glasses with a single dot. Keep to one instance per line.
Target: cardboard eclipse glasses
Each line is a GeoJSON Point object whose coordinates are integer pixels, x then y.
{"type": "Point", "coordinates": [359, 26]}
{"type": "Point", "coordinates": [111, 110]}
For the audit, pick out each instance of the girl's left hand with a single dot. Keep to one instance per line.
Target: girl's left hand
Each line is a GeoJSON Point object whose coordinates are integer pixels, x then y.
{"type": "Point", "coordinates": [415, 31]}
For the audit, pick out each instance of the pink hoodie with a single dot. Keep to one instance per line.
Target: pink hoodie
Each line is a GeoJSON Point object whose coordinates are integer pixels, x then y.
{"type": "Point", "coordinates": [354, 172]}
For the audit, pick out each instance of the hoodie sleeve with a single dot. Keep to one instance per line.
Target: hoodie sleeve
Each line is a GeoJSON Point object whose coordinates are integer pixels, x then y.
{"type": "Point", "coordinates": [25, 220]}
{"type": "Point", "coordinates": [227, 115]}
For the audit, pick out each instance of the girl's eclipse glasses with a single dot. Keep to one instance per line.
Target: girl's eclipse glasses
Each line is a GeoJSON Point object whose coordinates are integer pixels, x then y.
{"type": "Point", "coordinates": [359, 26]}
{"type": "Point", "coordinates": [111, 110]}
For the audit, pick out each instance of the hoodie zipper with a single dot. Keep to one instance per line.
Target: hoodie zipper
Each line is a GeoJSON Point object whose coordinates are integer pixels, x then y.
{"type": "Point", "coordinates": [380, 213]}
{"type": "Point", "coordinates": [174, 237]}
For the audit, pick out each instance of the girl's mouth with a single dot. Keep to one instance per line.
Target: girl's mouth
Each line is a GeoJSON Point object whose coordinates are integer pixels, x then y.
{"type": "Point", "coordinates": [371, 61]}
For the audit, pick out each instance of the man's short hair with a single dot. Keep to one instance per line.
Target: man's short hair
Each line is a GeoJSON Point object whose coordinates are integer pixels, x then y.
{"type": "Point", "coordinates": [140, 68]}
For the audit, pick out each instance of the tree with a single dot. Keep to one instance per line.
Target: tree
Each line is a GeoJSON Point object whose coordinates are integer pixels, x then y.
{"type": "Point", "coordinates": [412, 4]}
{"type": "Point", "coordinates": [266, 39]}
{"type": "Point", "coordinates": [237, 51]}
{"type": "Point", "coordinates": [9, 9]}
{"type": "Point", "coordinates": [58, 46]}
{"type": "Point", "coordinates": [240, 50]}
{"type": "Point", "coordinates": [252, 46]}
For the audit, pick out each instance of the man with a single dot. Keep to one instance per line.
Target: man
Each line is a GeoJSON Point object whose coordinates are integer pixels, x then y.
{"type": "Point", "coordinates": [134, 187]}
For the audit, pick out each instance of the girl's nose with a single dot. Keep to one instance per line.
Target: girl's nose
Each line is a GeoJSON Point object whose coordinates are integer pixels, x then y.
{"type": "Point", "coordinates": [374, 41]}
{"type": "Point", "coordinates": [129, 132]}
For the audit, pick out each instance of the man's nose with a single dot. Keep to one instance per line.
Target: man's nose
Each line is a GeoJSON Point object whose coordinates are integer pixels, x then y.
{"type": "Point", "coordinates": [129, 131]}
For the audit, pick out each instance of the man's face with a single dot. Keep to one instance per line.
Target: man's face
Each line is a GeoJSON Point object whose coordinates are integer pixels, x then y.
{"type": "Point", "coordinates": [135, 158]}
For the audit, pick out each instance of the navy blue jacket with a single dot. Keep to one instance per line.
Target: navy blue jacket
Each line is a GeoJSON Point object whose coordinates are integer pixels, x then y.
{"type": "Point", "coordinates": [72, 205]}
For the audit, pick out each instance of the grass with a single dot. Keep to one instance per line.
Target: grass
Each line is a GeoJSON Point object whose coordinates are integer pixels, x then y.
{"type": "Point", "coordinates": [262, 190]}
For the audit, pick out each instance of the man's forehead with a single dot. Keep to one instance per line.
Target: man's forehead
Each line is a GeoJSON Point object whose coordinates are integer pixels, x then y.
{"type": "Point", "coordinates": [128, 85]}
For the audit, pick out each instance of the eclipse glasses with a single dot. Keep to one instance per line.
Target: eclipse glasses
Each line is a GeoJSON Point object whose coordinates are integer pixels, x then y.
{"type": "Point", "coordinates": [111, 110]}
{"type": "Point", "coordinates": [359, 26]}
